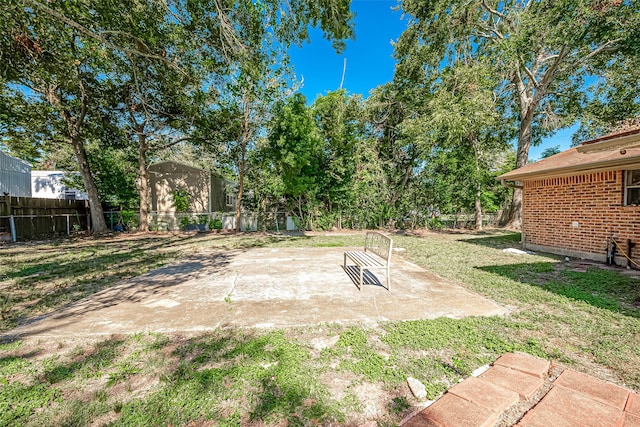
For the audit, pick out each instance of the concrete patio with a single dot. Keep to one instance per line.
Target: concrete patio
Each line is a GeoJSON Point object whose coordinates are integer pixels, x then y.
{"type": "Point", "coordinates": [263, 287]}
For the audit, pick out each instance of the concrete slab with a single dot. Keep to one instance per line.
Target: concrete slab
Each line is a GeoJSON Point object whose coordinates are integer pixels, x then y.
{"type": "Point", "coordinates": [525, 363]}
{"type": "Point", "coordinates": [594, 388]}
{"type": "Point", "coordinates": [562, 407]}
{"type": "Point", "coordinates": [261, 287]}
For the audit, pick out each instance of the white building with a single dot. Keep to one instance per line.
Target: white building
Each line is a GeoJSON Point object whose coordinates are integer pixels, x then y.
{"type": "Point", "coordinates": [51, 185]}
{"type": "Point", "coordinates": [15, 176]}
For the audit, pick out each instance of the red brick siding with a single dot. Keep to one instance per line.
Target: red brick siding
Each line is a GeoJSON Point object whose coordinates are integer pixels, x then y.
{"type": "Point", "coordinates": [594, 200]}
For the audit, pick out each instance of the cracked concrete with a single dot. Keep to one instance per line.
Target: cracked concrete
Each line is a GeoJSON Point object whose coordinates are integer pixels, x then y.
{"type": "Point", "coordinates": [263, 287]}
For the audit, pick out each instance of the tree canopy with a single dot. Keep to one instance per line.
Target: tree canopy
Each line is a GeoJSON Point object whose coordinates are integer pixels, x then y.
{"type": "Point", "coordinates": [107, 88]}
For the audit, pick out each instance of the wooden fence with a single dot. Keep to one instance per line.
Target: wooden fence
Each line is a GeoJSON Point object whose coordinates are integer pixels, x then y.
{"type": "Point", "coordinates": [27, 217]}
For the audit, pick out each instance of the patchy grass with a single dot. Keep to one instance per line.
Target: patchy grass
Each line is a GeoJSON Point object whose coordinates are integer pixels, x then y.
{"type": "Point", "coordinates": [587, 319]}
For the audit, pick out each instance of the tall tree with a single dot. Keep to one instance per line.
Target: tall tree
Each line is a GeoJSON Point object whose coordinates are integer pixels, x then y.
{"type": "Point", "coordinates": [463, 120]}
{"type": "Point", "coordinates": [389, 110]}
{"type": "Point", "coordinates": [57, 72]}
{"type": "Point", "coordinates": [542, 50]}
{"type": "Point", "coordinates": [62, 54]}
{"type": "Point", "coordinates": [293, 153]}
{"type": "Point", "coordinates": [339, 119]}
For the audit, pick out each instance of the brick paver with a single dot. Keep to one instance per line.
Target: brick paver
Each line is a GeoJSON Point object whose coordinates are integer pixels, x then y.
{"type": "Point", "coordinates": [562, 407]}
{"type": "Point", "coordinates": [524, 384]}
{"type": "Point", "coordinates": [633, 404]}
{"type": "Point", "coordinates": [575, 399]}
{"type": "Point", "coordinates": [524, 363]}
{"type": "Point", "coordinates": [421, 420]}
{"type": "Point", "coordinates": [594, 388]}
{"type": "Point", "coordinates": [485, 394]}
{"type": "Point", "coordinates": [453, 411]}
{"type": "Point", "coordinates": [630, 421]}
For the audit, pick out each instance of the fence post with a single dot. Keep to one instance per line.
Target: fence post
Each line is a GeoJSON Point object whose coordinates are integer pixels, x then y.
{"type": "Point", "coordinates": [68, 231]}
{"type": "Point", "coordinates": [12, 225]}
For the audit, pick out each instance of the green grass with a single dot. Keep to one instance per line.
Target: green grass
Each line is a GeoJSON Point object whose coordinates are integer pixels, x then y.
{"type": "Point", "coordinates": [587, 320]}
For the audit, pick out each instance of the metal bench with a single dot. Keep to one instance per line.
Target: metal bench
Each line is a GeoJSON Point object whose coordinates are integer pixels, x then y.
{"type": "Point", "coordinates": [376, 255]}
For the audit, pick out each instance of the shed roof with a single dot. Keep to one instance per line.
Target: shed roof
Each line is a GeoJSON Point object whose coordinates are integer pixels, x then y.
{"type": "Point", "coordinates": [170, 166]}
{"type": "Point", "coordinates": [617, 150]}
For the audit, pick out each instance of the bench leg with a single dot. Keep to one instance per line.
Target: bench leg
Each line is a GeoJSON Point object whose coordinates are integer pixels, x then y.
{"type": "Point", "coordinates": [388, 280]}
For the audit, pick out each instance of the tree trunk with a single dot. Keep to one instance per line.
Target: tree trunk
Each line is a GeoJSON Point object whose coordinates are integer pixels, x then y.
{"type": "Point", "coordinates": [143, 177]}
{"type": "Point", "coordinates": [403, 184]}
{"type": "Point", "coordinates": [74, 127]}
{"type": "Point", "coordinates": [98, 223]}
{"type": "Point", "coordinates": [241, 166]}
{"type": "Point", "coordinates": [477, 202]}
{"type": "Point", "coordinates": [528, 105]}
{"type": "Point", "coordinates": [478, 206]}
{"type": "Point", "coordinates": [514, 219]}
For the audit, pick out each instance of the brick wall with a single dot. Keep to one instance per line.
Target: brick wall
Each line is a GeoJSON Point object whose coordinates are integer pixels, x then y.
{"type": "Point", "coordinates": [578, 214]}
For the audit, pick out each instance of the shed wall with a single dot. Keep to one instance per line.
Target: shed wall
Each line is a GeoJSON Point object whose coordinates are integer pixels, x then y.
{"type": "Point", "coordinates": [168, 177]}
{"type": "Point", "coordinates": [577, 214]}
{"type": "Point", "coordinates": [15, 176]}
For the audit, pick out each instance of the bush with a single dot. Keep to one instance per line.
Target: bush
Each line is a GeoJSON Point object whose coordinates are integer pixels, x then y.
{"type": "Point", "coordinates": [181, 200]}
{"type": "Point", "coordinates": [130, 219]}
{"type": "Point", "coordinates": [436, 224]}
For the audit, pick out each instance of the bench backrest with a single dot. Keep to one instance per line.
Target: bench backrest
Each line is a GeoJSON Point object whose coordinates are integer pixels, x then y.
{"type": "Point", "coordinates": [379, 244]}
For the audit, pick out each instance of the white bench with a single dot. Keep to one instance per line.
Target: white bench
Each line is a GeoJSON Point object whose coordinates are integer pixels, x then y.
{"type": "Point", "coordinates": [376, 255]}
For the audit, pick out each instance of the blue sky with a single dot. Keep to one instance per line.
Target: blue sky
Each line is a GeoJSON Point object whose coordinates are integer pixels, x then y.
{"type": "Point", "coordinates": [369, 60]}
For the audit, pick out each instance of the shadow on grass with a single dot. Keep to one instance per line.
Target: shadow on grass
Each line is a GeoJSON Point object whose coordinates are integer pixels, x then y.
{"type": "Point", "coordinates": [495, 240]}
{"type": "Point", "coordinates": [91, 364]}
{"type": "Point", "coordinates": [20, 399]}
{"type": "Point", "coordinates": [600, 288]}
{"type": "Point", "coordinates": [70, 271]}
{"type": "Point", "coordinates": [236, 378]}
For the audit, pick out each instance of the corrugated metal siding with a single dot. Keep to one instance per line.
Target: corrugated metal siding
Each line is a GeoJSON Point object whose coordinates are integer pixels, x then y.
{"type": "Point", "coordinates": [15, 176]}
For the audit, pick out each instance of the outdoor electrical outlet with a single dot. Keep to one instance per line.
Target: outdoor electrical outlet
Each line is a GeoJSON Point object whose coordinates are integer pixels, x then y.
{"type": "Point", "coordinates": [575, 224]}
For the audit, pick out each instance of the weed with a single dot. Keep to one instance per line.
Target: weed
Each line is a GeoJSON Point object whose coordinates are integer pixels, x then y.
{"type": "Point", "coordinates": [234, 377]}
{"type": "Point", "coordinates": [398, 405]}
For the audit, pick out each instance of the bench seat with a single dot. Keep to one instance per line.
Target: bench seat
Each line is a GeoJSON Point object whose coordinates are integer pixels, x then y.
{"type": "Point", "coordinates": [376, 255]}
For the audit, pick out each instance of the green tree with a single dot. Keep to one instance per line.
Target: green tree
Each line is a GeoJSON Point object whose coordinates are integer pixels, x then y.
{"type": "Point", "coordinates": [541, 50]}
{"type": "Point", "coordinates": [293, 154]}
{"type": "Point", "coordinates": [550, 151]}
{"type": "Point", "coordinates": [399, 137]}
{"type": "Point", "coordinates": [54, 76]}
{"type": "Point", "coordinates": [61, 56]}
{"type": "Point", "coordinates": [339, 119]}
{"type": "Point", "coordinates": [463, 120]}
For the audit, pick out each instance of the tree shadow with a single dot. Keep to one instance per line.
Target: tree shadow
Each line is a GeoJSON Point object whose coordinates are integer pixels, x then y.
{"type": "Point", "coordinates": [97, 273]}
{"type": "Point", "coordinates": [240, 378]}
{"type": "Point", "coordinates": [22, 399]}
{"type": "Point", "coordinates": [495, 240]}
{"type": "Point", "coordinates": [602, 288]}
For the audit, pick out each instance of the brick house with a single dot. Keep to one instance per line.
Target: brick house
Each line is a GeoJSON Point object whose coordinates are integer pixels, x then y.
{"type": "Point", "coordinates": [574, 201]}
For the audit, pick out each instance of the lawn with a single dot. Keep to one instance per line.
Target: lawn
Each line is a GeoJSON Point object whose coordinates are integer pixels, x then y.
{"type": "Point", "coordinates": [327, 374]}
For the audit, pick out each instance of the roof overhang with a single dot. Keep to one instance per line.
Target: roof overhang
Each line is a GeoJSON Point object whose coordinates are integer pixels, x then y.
{"type": "Point", "coordinates": [621, 141]}
{"type": "Point", "coordinates": [611, 165]}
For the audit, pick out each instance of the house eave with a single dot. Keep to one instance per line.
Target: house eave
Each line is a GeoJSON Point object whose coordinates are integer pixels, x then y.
{"type": "Point", "coordinates": [629, 140]}
{"type": "Point", "coordinates": [616, 164]}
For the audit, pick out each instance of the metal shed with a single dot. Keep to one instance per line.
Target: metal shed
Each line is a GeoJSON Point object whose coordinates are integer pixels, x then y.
{"type": "Point", "coordinates": [15, 176]}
